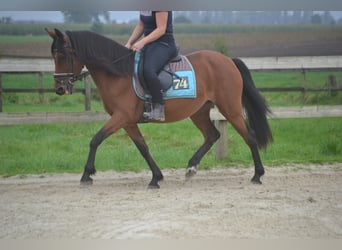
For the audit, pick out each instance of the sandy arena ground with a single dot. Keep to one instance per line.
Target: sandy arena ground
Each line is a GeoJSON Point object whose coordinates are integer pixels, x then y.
{"type": "Point", "coordinates": [294, 202]}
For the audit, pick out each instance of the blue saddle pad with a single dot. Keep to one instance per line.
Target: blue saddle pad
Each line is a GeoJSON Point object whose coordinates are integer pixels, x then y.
{"type": "Point", "coordinates": [182, 83]}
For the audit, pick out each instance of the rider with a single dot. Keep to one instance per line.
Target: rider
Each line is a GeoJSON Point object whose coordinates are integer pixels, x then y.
{"type": "Point", "coordinates": [159, 47]}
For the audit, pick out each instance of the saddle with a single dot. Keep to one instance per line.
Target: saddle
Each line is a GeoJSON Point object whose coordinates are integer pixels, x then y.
{"type": "Point", "coordinates": [177, 78]}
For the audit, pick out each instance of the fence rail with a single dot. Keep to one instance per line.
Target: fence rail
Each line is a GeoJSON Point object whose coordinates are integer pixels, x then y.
{"type": "Point", "coordinates": [301, 64]}
{"type": "Point", "coordinates": [29, 65]}
{"type": "Point", "coordinates": [101, 116]}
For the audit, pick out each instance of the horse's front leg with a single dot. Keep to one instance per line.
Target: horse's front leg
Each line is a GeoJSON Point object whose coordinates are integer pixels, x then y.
{"type": "Point", "coordinates": [89, 168]}
{"type": "Point", "coordinates": [134, 133]}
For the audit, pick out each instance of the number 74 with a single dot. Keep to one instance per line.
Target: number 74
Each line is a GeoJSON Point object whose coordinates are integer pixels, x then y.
{"type": "Point", "coordinates": [180, 83]}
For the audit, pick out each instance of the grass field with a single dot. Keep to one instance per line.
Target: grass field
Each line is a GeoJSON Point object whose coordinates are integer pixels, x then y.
{"type": "Point", "coordinates": [28, 149]}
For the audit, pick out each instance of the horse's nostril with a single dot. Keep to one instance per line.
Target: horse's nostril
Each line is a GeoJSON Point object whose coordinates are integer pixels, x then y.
{"type": "Point", "coordinates": [60, 91]}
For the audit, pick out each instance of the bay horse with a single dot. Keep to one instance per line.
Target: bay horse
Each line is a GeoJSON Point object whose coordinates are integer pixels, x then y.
{"type": "Point", "coordinates": [222, 81]}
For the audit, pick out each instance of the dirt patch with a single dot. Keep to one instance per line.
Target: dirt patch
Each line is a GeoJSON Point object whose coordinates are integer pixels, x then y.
{"type": "Point", "coordinates": [293, 202]}
{"type": "Point", "coordinates": [28, 49]}
{"type": "Point", "coordinates": [300, 48]}
{"type": "Point", "coordinates": [253, 48]}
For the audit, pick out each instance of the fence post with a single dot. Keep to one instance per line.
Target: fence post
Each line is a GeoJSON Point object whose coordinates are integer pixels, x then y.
{"type": "Point", "coordinates": [0, 92]}
{"type": "Point", "coordinates": [222, 143]}
{"type": "Point", "coordinates": [332, 84]}
{"type": "Point", "coordinates": [41, 87]}
{"type": "Point", "coordinates": [303, 85]}
{"type": "Point", "coordinates": [87, 93]}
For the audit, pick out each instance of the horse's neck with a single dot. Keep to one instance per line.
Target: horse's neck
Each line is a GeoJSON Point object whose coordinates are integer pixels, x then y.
{"type": "Point", "coordinates": [99, 76]}
{"type": "Point", "coordinates": [105, 81]}
{"type": "Point", "coordinates": [116, 92]}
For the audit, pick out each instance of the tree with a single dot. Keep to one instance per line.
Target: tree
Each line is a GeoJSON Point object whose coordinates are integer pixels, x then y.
{"type": "Point", "coordinates": [307, 16]}
{"type": "Point", "coordinates": [85, 16]}
{"type": "Point", "coordinates": [327, 18]}
{"type": "Point", "coordinates": [316, 19]}
{"type": "Point", "coordinates": [6, 19]}
{"type": "Point", "coordinates": [181, 19]}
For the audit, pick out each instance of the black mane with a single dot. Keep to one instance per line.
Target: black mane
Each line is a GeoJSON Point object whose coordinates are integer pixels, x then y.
{"type": "Point", "coordinates": [101, 52]}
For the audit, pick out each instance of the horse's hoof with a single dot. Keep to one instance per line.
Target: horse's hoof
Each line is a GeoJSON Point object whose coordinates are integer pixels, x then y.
{"type": "Point", "coordinates": [190, 172]}
{"type": "Point", "coordinates": [86, 181]}
{"type": "Point", "coordinates": [256, 180]}
{"type": "Point", "coordinates": [153, 186]}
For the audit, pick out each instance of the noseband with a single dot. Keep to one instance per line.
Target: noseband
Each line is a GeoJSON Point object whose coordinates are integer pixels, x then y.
{"type": "Point", "coordinates": [66, 80]}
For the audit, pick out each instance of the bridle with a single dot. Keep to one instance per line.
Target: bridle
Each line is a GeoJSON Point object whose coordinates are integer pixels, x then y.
{"type": "Point", "coordinates": [67, 80]}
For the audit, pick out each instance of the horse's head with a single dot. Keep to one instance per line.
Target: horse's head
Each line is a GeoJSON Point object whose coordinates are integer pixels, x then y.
{"type": "Point", "coordinates": [68, 67]}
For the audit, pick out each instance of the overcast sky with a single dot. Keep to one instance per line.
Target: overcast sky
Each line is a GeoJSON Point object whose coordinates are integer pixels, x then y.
{"type": "Point", "coordinates": [57, 16]}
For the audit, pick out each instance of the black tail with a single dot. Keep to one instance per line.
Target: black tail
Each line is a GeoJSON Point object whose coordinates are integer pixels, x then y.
{"type": "Point", "coordinates": [255, 106]}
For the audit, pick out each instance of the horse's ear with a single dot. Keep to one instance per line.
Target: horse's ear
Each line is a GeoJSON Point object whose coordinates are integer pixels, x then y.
{"type": "Point", "coordinates": [51, 33]}
{"type": "Point", "coordinates": [60, 35]}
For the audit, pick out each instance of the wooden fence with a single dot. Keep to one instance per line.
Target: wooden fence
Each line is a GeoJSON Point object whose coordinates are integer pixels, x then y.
{"type": "Point", "coordinates": [300, 64]}
{"type": "Point", "coordinates": [101, 116]}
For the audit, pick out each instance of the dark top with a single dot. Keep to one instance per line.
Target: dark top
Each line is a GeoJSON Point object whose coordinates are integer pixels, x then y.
{"type": "Point", "coordinates": [149, 20]}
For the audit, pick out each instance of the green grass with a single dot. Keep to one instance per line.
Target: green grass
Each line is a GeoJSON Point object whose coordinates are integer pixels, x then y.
{"type": "Point", "coordinates": [36, 149]}
{"type": "Point", "coordinates": [312, 140]}
{"type": "Point", "coordinates": [49, 102]}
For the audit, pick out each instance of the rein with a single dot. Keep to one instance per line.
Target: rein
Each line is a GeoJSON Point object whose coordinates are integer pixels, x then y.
{"type": "Point", "coordinates": [123, 57]}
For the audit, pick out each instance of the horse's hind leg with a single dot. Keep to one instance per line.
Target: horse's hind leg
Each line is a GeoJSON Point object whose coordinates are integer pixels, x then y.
{"type": "Point", "coordinates": [239, 123]}
{"type": "Point", "coordinates": [202, 121]}
{"type": "Point", "coordinates": [134, 133]}
{"type": "Point", "coordinates": [259, 168]}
